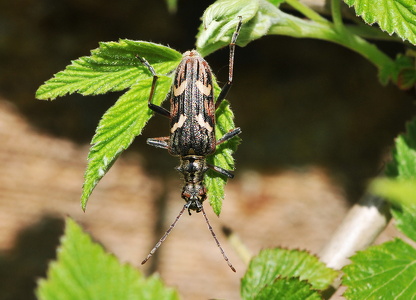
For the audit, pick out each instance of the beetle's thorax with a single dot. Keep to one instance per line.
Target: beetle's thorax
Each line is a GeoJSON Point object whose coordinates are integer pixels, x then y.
{"type": "Point", "coordinates": [193, 168]}
{"type": "Point", "coordinates": [190, 53]}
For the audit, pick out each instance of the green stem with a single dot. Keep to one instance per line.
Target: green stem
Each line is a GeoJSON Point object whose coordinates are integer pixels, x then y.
{"type": "Point", "coordinates": [336, 13]}
{"type": "Point", "coordinates": [299, 28]}
{"type": "Point", "coordinates": [372, 33]}
{"type": "Point", "coordinates": [306, 11]}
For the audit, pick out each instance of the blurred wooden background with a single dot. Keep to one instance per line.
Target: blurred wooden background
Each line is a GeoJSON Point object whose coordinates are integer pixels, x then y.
{"type": "Point", "coordinates": [316, 124]}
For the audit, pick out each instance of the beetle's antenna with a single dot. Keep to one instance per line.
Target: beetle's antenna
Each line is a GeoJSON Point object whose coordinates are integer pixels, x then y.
{"type": "Point", "coordinates": [163, 238]}
{"type": "Point", "coordinates": [216, 240]}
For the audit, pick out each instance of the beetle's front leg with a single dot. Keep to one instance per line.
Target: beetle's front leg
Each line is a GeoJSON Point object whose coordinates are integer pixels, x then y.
{"type": "Point", "coordinates": [159, 142]}
{"type": "Point", "coordinates": [156, 108]}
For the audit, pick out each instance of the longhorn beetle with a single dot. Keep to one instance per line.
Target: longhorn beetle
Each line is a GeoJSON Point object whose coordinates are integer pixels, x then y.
{"type": "Point", "coordinates": [192, 129]}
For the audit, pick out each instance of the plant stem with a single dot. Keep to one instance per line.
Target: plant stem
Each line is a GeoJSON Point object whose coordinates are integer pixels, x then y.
{"type": "Point", "coordinates": [336, 14]}
{"type": "Point", "coordinates": [295, 27]}
{"type": "Point", "coordinates": [238, 246]}
{"type": "Point", "coordinates": [306, 11]}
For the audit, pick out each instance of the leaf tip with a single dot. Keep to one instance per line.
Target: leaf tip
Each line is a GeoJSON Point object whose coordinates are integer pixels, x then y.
{"type": "Point", "coordinates": [84, 204]}
{"type": "Point", "coordinates": [41, 95]}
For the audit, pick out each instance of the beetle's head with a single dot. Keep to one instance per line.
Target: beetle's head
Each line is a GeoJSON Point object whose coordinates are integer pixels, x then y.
{"type": "Point", "coordinates": [194, 194]}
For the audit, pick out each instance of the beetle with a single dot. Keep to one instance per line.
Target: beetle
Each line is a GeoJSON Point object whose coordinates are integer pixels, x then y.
{"type": "Point", "coordinates": [192, 128]}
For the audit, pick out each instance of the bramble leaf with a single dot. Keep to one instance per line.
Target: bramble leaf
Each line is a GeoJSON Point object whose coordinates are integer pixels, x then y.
{"type": "Point", "coordinates": [112, 67]}
{"type": "Point", "coordinates": [400, 188]}
{"type": "Point", "coordinates": [221, 18]}
{"type": "Point", "coordinates": [385, 271]}
{"type": "Point", "coordinates": [83, 270]}
{"type": "Point", "coordinates": [405, 220]}
{"type": "Point", "coordinates": [393, 16]}
{"type": "Point", "coordinates": [272, 264]}
{"type": "Point", "coordinates": [403, 165]}
{"type": "Point", "coordinates": [115, 66]}
{"type": "Point", "coordinates": [223, 157]}
{"type": "Point", "coordinates": [288, 289]}
{"type": "Point", "coordinates": [406, 71]}
{"type": "Point", "coordinates": [118, 128]}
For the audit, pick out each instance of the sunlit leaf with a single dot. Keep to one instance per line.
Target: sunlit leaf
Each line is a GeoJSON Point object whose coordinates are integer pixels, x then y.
{"type": "Point", "coordinates": [271, 264]}
{"type": "Point", "coordinates": [223, 157]}
{"type": "Point", "coordinates": [393, 16]}
{"type": "Point", "coordinates": [386, 271]}
{"type": "Point", "coordinates": [118, 128]}
{"type": "Point", "coordinates": [83, 270]}
{"type": "Point", "coordinates": [288, 289]}
{"type": "Point", "coordinates": [112, 67]}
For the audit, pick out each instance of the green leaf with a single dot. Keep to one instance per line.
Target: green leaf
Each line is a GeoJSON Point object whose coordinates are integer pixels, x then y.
{"type": "Point", "coordinates": [288, 289]}
{"type": "Point", "coordinates": [405, 220]}
{"type": "Point", "coordinates": [402, 72]}
{"type": "Point", "coordinates": [401, 188]}
{"type": "Point", "coordinates": [221, 18]}
{"type": "Point", "coordinates": [224, 10]}
{"type": "Point", "coordinates": [271, 264]}
{"type": "Point", "coordinates": [220, 21]}
{"type": "Point", "coordinates": [404, 158]}
{"type": "Point", "coordinates": [406, 71]}
{"type": "Point", "coordinates": [118, 128]}
{"type": "Point", "coordinates": [223, 156]}
{"type": "Point", "coordinates": [393, 16]}
{"type": "Point", "coordinates": [385, 271]}
{"type": "Point", "coordinates": [112, 67]}
{"type": "Point", "coordinates": [406, 78]}
{"type": "Point", "coordinates": [84, 271]}
{"type": "Point", "coordinates": [403, 165]}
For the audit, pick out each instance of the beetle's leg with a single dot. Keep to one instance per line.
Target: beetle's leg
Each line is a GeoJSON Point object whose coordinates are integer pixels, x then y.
{"type": "Point", "coordinates": [156, 108]}
{"type": "Point", "coordinates": [229, 135]}
{"type": "Point", "coordinates": [159, 142]}
{"type": "Point", "coordinates": [227, 86]}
